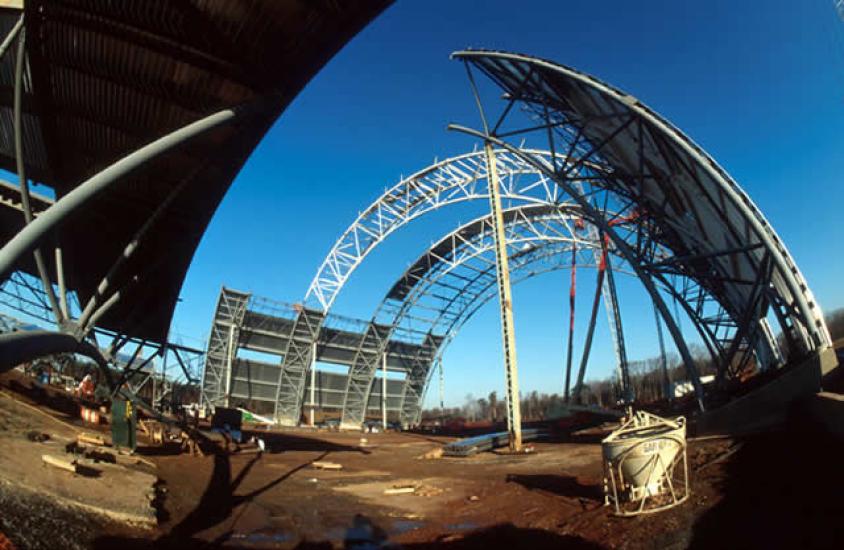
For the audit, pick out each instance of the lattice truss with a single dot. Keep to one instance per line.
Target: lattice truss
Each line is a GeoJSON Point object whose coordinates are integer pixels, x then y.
{"type": "Point", "coordinates": [23, 295]}
{"type": "Point", "coordinates": [458, 179]}
{"type": "Point", "coordinates": [441, 290]}
{"type": "Point", "coordinates": [728, 267]}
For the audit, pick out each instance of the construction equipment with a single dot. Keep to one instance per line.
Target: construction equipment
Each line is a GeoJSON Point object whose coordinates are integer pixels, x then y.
{"type": "Point", "coordinates": [642, 471]}
{"type": "Point", "coordinates": [124, 422]}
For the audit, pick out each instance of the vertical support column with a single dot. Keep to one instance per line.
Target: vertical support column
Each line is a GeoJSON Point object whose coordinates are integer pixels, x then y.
{"type": "Point", "coordinates": [152, 401]}
{"type": "Point", "coordinates": [623, 369]}
{"type": "Point", "coordinates": [229, 354]}
{"type": "Point", "coordinates": [442, 392]}
{"type": "Point", "coordinates": [663, 360]}
{"type": "Point", "coordinates": [297, 357]}
{"type": "Point", "coordinates": [419, 369]}
{"type": "Point", "coordinates": [384, 390]}
{"type": "Point", "coordinates": [572, 296]}
{"type": "Point", "coordinates": [62, 286]}
{"type": "Point", "coordinates": [367, 361]}
{"type": "Point", "coordinates": [222, 339]}
{"type": "Point", "coordinates": [313, 384]}
{"type": "Point", "coordinates": [514, 415]}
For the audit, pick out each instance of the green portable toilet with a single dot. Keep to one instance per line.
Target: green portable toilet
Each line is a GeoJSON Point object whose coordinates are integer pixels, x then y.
{"type": "Point", "coordinates": [123, 424]}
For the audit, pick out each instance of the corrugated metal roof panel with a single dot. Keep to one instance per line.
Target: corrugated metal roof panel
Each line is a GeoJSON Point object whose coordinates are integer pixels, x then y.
{"type": "Point", "coordinates": [109, 77]}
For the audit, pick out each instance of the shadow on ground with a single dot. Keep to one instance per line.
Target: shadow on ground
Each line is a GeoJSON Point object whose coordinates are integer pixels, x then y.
{"type": "Point", "coordinates": [363, 534]}
{"type": "Point", "coordinates": [566, 486]}
{"type": "Point", "coordinates": [780, 490]}
{"type": "Point", "coordinates": [277, 442]}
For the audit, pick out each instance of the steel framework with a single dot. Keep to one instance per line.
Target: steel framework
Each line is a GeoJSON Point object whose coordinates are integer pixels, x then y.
{"type": "Point", "coordinates": [649, 198]}
{"type": "Point", "coordinates": [688, 232]}
{"type": "Point", "coordinates": [245, 323]}
{"type": "Point", "coordinates": [448, 284]}
{"type": "Point", "coordinates": [417, 319]}
{"type": "Point", "coordinates": [455, 180]}
{"type": "Point", "coordinates": [97, 117]}
{"type": "Point", "coordinates": [735, 269]}
{"type": "Point", "coordinates": [451, 181]}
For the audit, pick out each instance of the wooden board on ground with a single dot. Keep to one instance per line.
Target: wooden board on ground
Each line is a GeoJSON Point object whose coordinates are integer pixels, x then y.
{"type": "Point", "coordinates": [323, 465]}
{"type": "Point", "coordinates": [60, 462]}
{"type": "Point", "coordinates": [122, 493]}
{"type": "Point", "coordinates": [91, 439]}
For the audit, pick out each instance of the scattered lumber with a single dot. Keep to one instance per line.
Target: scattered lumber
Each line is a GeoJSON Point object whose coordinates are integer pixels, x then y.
{"type": "Point", "coordinates": [428, 491]}
{"type": "Point", "coordinates": [190, 444]}
{"type": "Point", "coordinates": [323, 465]}
{"type": "Point", "coordinates": [61, 463]}
{"type": "Point", "coordinates": [154, 430]}
{"type": "Point", "coordinates": [90, 439]}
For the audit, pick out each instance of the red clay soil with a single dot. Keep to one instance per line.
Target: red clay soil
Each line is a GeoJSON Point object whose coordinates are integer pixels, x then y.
{"type": "Point", "coordinates": [778, 490]}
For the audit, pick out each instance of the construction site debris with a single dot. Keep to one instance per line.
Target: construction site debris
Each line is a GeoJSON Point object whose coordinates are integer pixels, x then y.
{"type": "Point", "coordinates": [190, 444]}
{"type": "Point", "coordinates": [37, 437]}
{"type": "Point", "coordinates": [154, 430]}
{"type": "Point", "coordinates": [428, 491]}
{"type": "Point", "coordinates": [487, 442]}
{"type": "Point", "coordinates": [90, 439]}
{"type": "Point", "coordinates": [400, 490]}
{"type": "Point", "coordinates": [432, 454]}
{"type": "Point", "coordinates": [322, 465]}
{"type": "Point", "coordinates": [58, 462]}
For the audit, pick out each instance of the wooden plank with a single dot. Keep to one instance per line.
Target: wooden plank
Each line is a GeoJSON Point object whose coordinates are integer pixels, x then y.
{"type": "Point", "coordinates": [326, 465]}
{"type": "Point", "coordinates": [58, 462]}
{"type": "Point", "coordinates": [91, 439]}
{"type": "Point", "coordinates": [400, 490]}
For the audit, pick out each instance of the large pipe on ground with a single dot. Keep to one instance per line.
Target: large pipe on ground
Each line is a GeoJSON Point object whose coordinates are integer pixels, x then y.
{"type": "Point", "coordinates": [21, 347]}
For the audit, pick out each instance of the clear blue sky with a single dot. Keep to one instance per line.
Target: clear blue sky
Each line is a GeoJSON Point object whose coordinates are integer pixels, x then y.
{"type": "Point", "coordinates": [760, 85]}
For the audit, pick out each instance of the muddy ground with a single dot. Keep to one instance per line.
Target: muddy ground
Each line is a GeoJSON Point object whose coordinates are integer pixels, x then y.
{"type": "Point", "coordinates": [778, 490]}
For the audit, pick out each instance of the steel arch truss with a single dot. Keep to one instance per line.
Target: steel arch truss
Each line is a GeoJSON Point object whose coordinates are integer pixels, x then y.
{"type": "Point", "coordinates": [458, 179]}
{"type": "Point", "coordinates": [735, 267]}
{"type": "Point", "coordinates": [448, 283]}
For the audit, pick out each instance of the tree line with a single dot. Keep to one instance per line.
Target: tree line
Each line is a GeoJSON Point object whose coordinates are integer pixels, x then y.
{"type": "Point", "coordinates": [650, 383]}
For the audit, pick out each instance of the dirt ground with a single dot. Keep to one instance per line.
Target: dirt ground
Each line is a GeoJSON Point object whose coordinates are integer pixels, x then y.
{"type": "Point", "coordinates": [778, 490]}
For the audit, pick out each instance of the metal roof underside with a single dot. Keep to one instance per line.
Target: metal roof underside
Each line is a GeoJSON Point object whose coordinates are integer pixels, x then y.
{"type": "Point", "coordinates": [105, 78]}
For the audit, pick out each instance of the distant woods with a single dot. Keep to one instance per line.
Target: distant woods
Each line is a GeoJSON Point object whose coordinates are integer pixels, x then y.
{"type": "Point", "coordinates": [835, 323]}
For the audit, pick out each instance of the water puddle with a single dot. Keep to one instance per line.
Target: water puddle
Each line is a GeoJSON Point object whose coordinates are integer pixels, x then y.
{"type": "Point", "coordinates": [404, 525]}
{"type": "Point", "coordinates": [467, 526]}
{"type": "Point", "coordinates": [260, 538]}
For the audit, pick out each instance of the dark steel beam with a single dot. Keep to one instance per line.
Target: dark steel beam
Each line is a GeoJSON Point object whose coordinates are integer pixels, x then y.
{"type": "Point", "coordinates": [33, 234]}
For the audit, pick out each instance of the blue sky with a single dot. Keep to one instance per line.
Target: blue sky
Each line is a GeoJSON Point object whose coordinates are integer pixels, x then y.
{"type": "Point", "coordinates": [760, 85]}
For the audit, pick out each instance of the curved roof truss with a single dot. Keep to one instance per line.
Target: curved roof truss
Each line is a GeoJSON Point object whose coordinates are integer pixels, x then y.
{"type": "Point", "coordinates": [458, 179]}
{"type": "Point", "coordinates": [444, 288]}
{"type": "Point", "coordinates": [681, 198]}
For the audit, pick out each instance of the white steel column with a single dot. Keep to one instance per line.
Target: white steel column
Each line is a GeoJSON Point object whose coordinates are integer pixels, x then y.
{"type": "Point", "coordinates": [384, 391]}
{"type": "Point", "coordinates": [229, 364]}
{"type": "Point", "coordinates": [442, 386]}
{"type": "Point", "coordinates": [313, 384]}
{"type": "Point", "coordinates": [514, 414]}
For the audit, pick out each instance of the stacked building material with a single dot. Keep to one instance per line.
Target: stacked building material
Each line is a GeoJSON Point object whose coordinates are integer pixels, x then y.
{"type": "Point", "coordinates": [486, 442]}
